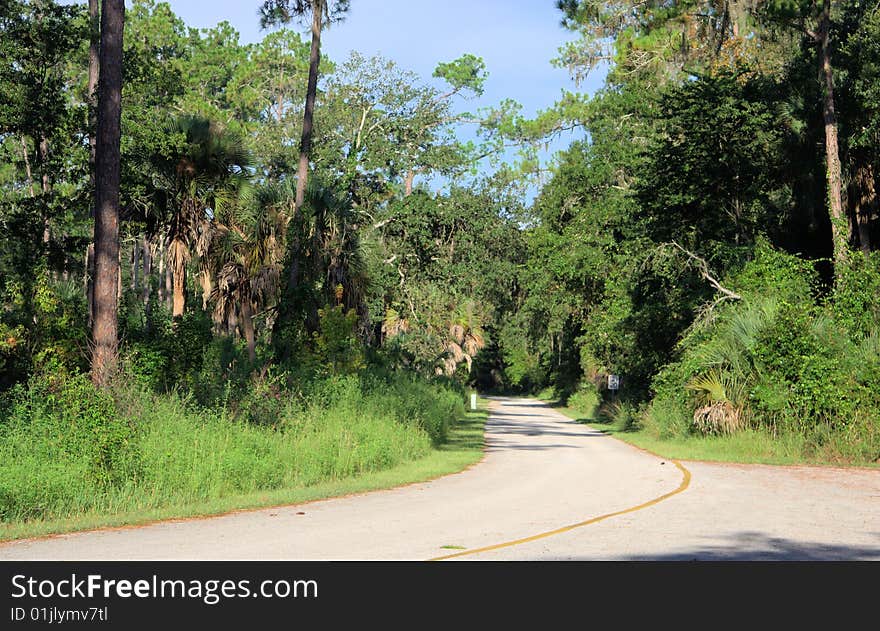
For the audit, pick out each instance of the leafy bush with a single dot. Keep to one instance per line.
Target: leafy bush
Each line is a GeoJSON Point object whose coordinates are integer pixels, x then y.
{"type": "Point", "coordinates": [772, 271]}
{"type": "Point", "coordinates": [622, 415]}
{"type": "Point", "coordinates": [585, 399]}
{"type": "Point", "coordinates": [522, 368]}
{"type": "Point", "coordinates": [779, 362]}
{"type": "Point", "coordinates": [337, 347]}
{"type": "Point", "coordinates": [65, 416]}
{"type": "Point", "coordinates": [62, 436]}
{"type": "Point", "coordinates": [856, 298]}
{"type": "Point", "coordinates": [146, 365]}
{"type": "Point", "coordinates": [668, 416]}
{"type": "Point", "coordinates": [803, 355]}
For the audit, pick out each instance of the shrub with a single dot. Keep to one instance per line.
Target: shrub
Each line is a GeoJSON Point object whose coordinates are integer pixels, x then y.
{"type": "Point", "coordinates": [62, 443]}
{"type": "Point", "coordinates": [717, 414]}
{"type": "Point", "coordinates": [668, 417]}
{"type": "Point", "coordinates": [774, 272]}
{"type": "Point", "coordinates": [779, 361]}
{"type": "Point", "coordinates": [800, 355]}
{"type": "Point", "coordinates": [855, 302]}
{"type": "Point", "coordinates": [337, 347]}
{"type": "Point", "coordinates": [146, 365]}
{"type": "Point", "coordinates": [585, 399]}
{"type": "Point", "coordinates": [66, 416]}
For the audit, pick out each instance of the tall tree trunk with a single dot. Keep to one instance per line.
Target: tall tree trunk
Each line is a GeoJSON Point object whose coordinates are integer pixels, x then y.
{"type": "Point", "coordinates": [832, 153]}
{"type": "Point", "coordinates": [169, 284]}
{"type": "Point", "coordinates": [27, 167]}
{"type": "Point", "coordinates": [44, 168]}
{"type": "Point", "coordinates": [305, 147]}
{"type": "Point", "coordinates": [232, 322]}
{"type": "Point", "coordinates": [92, 87]}
{"type": "Point", "coordinates": [135, 266]}
{"type": "Point", "coordinates": [146, 283]}
{"type": "Point", "coordinates": [207, 286]}
{"type": "Point", "coordinates": [119, 276]}
{"type": "Point", "coordinates": [90, 283]}
{"type": "Point", "coordinates": [178, 286]}
{"type": "Point", "coordinates": [104, 327]}
{"type": "Point", "coordinates": [94, 37]}
{"type": "Point", "coordinates": [160, 292]}
{"type": "Point", "coordinates": [408, 183]}
{"type": "Point", "coordinates": [247, 326]}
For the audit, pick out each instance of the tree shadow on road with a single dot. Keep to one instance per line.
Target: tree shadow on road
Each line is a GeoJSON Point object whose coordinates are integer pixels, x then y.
{"type": "Point", "coordinates": [757, 546]}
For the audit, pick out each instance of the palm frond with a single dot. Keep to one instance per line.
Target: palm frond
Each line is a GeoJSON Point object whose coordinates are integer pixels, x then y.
{"type": "Point", "coordinates": [710, 386]}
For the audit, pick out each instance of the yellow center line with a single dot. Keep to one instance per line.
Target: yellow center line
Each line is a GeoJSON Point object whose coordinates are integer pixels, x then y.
{"type": "Point", "coordinates": [685, 482]}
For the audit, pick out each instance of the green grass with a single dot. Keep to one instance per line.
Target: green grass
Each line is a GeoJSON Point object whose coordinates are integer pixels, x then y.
{"type": "Point", "coordinates": [746, 447]}
{"type": "Point", "coordinates": [195, 463]}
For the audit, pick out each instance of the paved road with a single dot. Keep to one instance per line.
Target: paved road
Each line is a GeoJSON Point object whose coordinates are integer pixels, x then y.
{"type": "Point", "coordinates": [542, 472]}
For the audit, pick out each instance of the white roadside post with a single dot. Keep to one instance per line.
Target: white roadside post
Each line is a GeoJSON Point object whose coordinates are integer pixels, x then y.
{"type": "Point", "coordinates": [473, 400]}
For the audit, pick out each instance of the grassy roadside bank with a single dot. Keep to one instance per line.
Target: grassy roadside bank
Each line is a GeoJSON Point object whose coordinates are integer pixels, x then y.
{"type": "Point", "coordinates": [462, 447]}
{"type": "Point", "coordinates": [745, 447]}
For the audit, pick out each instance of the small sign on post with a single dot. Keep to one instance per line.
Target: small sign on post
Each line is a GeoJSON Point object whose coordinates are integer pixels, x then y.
{"type": "Point", "coordinates": [473, 400]}
{"type": "Point", "coordinates": [614, 382]}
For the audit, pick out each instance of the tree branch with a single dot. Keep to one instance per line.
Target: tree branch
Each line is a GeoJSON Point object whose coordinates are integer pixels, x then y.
{"type": "Point", "coordinates": [703, 268]}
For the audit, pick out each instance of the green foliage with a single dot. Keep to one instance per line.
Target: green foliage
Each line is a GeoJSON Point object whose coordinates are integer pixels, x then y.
{"type": "Point", "coordinates": [41, 328]}
{"type": "Point", "coordinates": [770, 270]}
{"type": "Point", "coordinates": [183, 345]}
{"type": "Point", "coordinates": [337, 347]}
{"type": "Point", "coordinates": [68, 449]}
{"type": "Point", "coordinates": [856, 296]}
{"type": "Point", "coordinates": [668, 417]}
{"type": "Point", "coordinates": [445, 275]}
{"type": "Point", "coordinates": [146, 366]}
{"type": "Point", "coordinates": [522, 368]}
{"type": "Point", "coordinates": [172, 355]}
{"type": "Point", "coordinates": [377, 124]}
{"type": "Point", "coordinates": [276, 12]}
{"type": "Point", "coordinates": [37, 39]}
{"type": "Point", "coordinates": [715, 162]}
{"type": "Point", "coordinates": [775, 361]}
{"type": "Point", "coordinates": [64, 433]}
{"type": "Point", "coordinates": [801, 355]}
{"type": "Point", "coordinates": [623, 416]}
{"type": "Point", "coordinates": [707, 136]}
{"type": "Point", "coordinates": [468, 72]}
{"type": "Point", "coordinates": [585, 400]}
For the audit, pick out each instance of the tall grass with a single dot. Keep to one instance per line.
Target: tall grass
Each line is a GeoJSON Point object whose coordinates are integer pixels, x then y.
{"type": "Point", "coordinates": [67, 449]}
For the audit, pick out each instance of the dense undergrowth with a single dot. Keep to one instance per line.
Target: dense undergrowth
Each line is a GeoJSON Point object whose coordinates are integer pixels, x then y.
{"type": "Point", "coordinates": [782, 363]}
{"type": "Point", "coordinates": [68, 449]}
{"type": "Point", "coordinates": [789, 372]}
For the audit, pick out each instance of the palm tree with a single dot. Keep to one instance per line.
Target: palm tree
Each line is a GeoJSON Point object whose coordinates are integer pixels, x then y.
{"type": "Point", "coordinates": [335, 253]}
{"type": "Point", "coordinates": [325, 244]}
{"type": "Point", "coordinates": [466, 337]}
{"type": "Point", "coordinates": [244, 258]}
{"type": "Point", "coordinates": [104, 322]}
{"type": "Point", "coordinates": [192, 183]}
